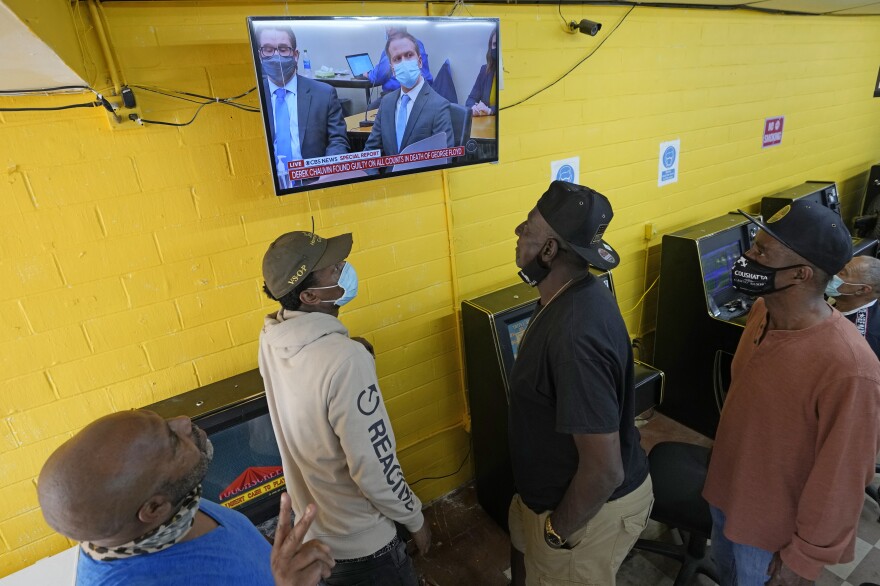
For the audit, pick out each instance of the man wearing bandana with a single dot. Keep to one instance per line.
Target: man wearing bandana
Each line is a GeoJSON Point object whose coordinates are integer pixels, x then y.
{"type": "Point", "coordinates": [335, 438]}
{"type": "Point", "coordinates": [799, 430]}
{"type": "Point", "coordinates": [305, 116]}
{"type": "Point", "coordinates": [583, 489]}
{"type": "Point", "coordinates": [128, 488]}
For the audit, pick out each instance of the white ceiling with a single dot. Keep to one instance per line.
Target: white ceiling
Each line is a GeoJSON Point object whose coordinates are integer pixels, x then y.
{"type": "Point", "coordinates": [836, 7]}
{"type": "Point", "coordinates": [852, 7]}
{"type": "Point", "coordinates": [830, 7]}
{"type": "Point", "coordinates": [26, 62]}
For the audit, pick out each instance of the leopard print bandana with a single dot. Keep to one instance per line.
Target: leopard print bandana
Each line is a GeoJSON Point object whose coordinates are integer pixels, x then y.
{"type": "Point", "coordinates": [162, 537]}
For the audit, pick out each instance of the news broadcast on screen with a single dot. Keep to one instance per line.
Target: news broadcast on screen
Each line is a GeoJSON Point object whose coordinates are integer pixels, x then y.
{"type": "Point", "coordinates": [352, 99]}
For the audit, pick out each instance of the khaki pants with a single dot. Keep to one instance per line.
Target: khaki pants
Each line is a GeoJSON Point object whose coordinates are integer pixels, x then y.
{"type": "Point", "coordinates": [597, 549]}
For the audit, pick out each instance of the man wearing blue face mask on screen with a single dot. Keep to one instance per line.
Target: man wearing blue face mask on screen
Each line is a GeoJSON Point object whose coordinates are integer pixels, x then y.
{"type": "Point", "coordinates": [415, 111]}
{"type": "Point", "coordinates": [336, 442]}
{"type": "Point", "coordinates": [305, 116]}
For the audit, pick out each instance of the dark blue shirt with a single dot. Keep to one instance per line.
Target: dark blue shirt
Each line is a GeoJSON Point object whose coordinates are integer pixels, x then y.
{"type": "Point", "coordinates": [867, 320]}
{"type": "Point", "coordinates": [232, 554]}
{"type": "Point", "coordinates": [381, 73]}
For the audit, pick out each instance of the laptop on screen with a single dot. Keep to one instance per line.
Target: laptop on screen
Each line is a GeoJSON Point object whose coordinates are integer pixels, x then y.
{"type": "Point", "coordinates": [360, 63]}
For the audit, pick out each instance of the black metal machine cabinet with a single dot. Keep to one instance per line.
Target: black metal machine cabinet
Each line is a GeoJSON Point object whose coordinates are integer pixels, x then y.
{"type": "Point", "coordinates": [493, 326]}
{"type": "Point", "coordinates": [823, 193]}
{"type": "Point", "coordinates": [700, 317]}
{"type": "Point", "coordinates": [820, 192]}
{"type": "Point", "coordinates": [871, 203]}
{"type": "Point", "coordinates": [246, 473]}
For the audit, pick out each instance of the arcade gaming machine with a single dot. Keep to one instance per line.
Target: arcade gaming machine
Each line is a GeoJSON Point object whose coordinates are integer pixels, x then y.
{"type": "Point", "coordinates": [246, 473]}
{"type": "Point", "coordinates": [871, 203]}
{"type": "Point", "coordinates": [823, 193]}
{"type": "Point", "coordinates": [493, 327]}
{"type": "Point", "coordinates": [867, 224]}
{"type": "Point", "coordinates": [700, 317]}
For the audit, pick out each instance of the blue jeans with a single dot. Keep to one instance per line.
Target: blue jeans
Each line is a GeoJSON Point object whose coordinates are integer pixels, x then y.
{"type": "Point", "coordinates": [394, 568]}
{"type": "Point", "coordinates": [738, 564]}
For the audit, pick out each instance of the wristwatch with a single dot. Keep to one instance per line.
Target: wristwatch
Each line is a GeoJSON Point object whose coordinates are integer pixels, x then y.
{"type": "Point", "coordinates": [552, 538]}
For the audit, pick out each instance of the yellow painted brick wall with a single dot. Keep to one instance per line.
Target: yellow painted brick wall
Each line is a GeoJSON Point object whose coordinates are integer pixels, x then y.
{"type": "Point", "coordinates": [706, 77]}
{"type": "Point", "coordinates": [130, 258]}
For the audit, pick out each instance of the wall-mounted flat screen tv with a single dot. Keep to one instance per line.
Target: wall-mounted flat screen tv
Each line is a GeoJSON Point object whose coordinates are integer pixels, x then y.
{"type": "Point", "coordinates": [357, 99]}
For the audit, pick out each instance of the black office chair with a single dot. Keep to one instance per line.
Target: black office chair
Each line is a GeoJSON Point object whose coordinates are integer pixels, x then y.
{"type": "Point", "coordinates": [873, 492]}
{"type": "Point", "coordinates": [461, 123]}
{"type": "Point", "coordinates": [678, 472]}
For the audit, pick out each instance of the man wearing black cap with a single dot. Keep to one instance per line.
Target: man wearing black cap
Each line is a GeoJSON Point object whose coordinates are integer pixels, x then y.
{"type": "Point", "coordinates": [798, 435]}
{"type": "Point", "coordinates": [583, 488]}
{"type": "Point", "coordinates": [336, 442]}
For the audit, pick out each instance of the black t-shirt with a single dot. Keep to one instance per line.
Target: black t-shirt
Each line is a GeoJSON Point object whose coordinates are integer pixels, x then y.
{"type": "Point", "coordinates": [867, 320]}
{"type": "Point", "coordinates": [573, 375]}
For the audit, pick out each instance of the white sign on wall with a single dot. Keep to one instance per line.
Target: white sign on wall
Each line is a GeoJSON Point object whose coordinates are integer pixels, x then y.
{"type": "Point", "coordinates": [566, 170]}
{"type": "Point", "coordinates": [667, 170]}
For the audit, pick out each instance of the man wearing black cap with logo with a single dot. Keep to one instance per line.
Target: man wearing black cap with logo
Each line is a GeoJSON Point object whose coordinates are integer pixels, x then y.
{"type": "Point", "coordinates": [798, 435]}
{"type": "Point", "coordinates": [336, 442]}
{"type": "Point", "coordinates": [583, 488]}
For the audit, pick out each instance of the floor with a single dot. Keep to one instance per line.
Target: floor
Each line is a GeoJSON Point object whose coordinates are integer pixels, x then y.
{"type": "Point", "coordinates": [470, 549]}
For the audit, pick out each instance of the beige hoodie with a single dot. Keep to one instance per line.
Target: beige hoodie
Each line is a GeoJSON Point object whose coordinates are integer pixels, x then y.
{"type": "Point", "coordinates": [336, 441]}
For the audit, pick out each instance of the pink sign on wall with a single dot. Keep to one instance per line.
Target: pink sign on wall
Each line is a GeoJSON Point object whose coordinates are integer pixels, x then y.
{"type": "Point", "coordinates": [773, 131]}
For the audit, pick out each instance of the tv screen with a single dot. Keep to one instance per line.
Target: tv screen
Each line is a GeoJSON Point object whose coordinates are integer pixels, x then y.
{"type": "Point", "coordinates": [516, 330]}
{"type": "Point", "coordinates": [510, 327]}
{"type": "Point", "coordinates": [348, 99]}
{"type": "Point", "coordinates": [247, 464]}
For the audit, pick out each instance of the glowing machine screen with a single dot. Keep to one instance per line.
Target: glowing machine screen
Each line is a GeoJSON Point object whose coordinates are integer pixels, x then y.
{"type": "Point", "coordinates": [717, 265]}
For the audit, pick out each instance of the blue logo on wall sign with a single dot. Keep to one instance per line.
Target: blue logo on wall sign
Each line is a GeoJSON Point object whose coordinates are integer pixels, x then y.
{"type": "Point", "coordinates": [669, 157]}
{"type": "Point", "coordinates": [565, 173]}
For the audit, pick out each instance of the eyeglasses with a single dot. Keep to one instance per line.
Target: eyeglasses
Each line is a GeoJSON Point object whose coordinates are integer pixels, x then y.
{"type": "Point", "coordinates": [267, 51]}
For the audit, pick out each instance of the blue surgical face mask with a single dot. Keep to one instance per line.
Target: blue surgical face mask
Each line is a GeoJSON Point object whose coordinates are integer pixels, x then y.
{"type": "Point", "coordinates": [407, 73]}
{"type": "Point", "coordinates": [280, 68]}
{"type": "Point", "coordinates": [833, 287]}
{"type": "Point", "coordinates": [348, 282]}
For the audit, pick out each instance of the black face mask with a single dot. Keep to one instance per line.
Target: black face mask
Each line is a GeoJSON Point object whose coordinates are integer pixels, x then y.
{"type": "Point", "coordinates": [753, 278]}
{"type": "Point", "coordinates": [535, 271]}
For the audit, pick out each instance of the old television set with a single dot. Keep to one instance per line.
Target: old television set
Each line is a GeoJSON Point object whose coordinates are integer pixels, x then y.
{"type": "Point", "coordinates": [823, 193]}
{"type": "Point", "coordinates": [245, 473]}
{"type": "Point", "coordinates": [314, 142]}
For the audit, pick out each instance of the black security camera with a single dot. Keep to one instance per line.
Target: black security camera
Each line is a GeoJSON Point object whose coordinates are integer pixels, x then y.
{"type": "Point", "coordinates": [587, 27]}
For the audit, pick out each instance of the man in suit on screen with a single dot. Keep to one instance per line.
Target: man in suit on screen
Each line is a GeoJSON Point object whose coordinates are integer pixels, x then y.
{"type": "Point", "coordinates": [305, 116]}
{"type": "Point", "coordinates": [415, 111]}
